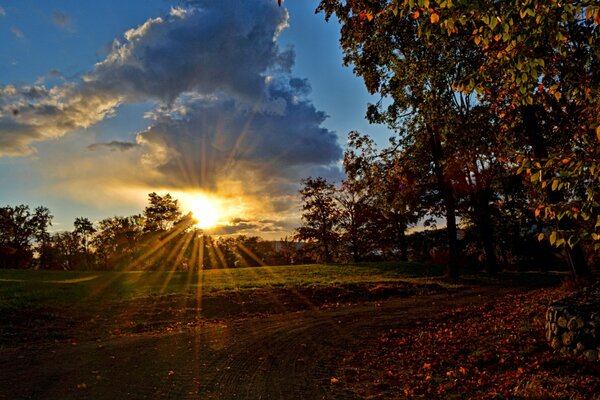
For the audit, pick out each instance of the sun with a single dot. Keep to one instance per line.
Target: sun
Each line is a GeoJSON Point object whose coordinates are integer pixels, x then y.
{"type": "Point", "coordinates": [206, 210]}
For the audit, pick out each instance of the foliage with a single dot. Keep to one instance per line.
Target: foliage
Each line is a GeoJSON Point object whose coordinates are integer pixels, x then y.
{"type": "Point", "coordinates": [320, 217]}
{"type": "Point", "coordinates": [532, 64]}
{"type": "Point", "coordinates": [161, 213]}
{"type": "Point", "coordinates": [19, 228]}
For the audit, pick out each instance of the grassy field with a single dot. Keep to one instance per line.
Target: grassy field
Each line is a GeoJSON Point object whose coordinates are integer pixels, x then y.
{"type": "Point", "coordinates": [20, 288]}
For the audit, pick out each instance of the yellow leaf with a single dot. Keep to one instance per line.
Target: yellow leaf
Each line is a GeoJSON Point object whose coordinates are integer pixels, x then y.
{"type": "Point", "coordinates": [557, 95]}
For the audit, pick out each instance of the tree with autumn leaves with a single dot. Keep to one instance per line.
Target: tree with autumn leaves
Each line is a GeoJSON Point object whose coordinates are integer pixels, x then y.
{"type": "Point", "coordinates": [529, 70]}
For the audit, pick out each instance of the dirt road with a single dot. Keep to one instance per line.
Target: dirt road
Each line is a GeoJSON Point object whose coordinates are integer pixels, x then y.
{"type": "Point", "coordinates": [290, 355]}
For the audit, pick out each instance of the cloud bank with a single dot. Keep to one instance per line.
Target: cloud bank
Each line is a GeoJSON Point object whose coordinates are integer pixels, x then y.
{"type": "Point", "coordinates": [227, 108]}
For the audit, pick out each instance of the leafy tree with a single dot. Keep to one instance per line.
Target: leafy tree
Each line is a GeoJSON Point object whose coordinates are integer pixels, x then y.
{"type": "Point", "coordinates": [84, 229]}
{"type": "Point", "coordinates": [118, 241]}
{"type": "Point", "coordinates": [19, 229]}
{"type": "Point", "coordinates": [320, 217]}
{"type": "Point", "coordinates": [162, 213]}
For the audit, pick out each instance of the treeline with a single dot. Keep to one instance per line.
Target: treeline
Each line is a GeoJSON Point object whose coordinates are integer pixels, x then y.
{"type": "Point", "coordinates": [161, 238]}
{"type": "Point", "coordinates": [372, 214]}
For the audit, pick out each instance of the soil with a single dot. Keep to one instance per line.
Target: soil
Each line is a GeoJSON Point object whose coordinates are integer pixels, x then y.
{"type": "Point", "coordinates": [261, 344]}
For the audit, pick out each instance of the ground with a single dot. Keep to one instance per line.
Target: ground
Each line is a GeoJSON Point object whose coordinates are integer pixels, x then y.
{"type": "Point", "coordinates": [346, 340]}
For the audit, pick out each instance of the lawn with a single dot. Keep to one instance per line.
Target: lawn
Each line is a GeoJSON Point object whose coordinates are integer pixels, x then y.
{"type": "Point", "coordinates": [20, 288]}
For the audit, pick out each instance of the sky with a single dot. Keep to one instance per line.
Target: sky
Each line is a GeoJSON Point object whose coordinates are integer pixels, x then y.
{"type": "Point", "coordinates": [226, 105]}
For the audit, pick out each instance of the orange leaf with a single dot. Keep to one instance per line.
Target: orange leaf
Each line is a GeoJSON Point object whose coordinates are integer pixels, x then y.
{"type": "Point", "coordinates": [416, 14]}
{"type": "Point", "coordinates": [434, 18]}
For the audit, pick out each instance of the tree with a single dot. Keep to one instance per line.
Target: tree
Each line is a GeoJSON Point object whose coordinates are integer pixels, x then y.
{"type": "Point", "coordinates": [162, 213]}
{"type": "Point", "coordinates": [118, 241]}
{"type": "Point", "coordinates": [84, 229]}
{"type": "Point", "coordinates": [320, 217]}
{"type": "Point", "coordinates": [19, 228]}
{"type": "Point", "coordinates": [417, 76]}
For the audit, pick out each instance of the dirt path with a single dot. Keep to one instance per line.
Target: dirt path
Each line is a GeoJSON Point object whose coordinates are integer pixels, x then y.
{"type": "Point", "coordinates": [291, 355]}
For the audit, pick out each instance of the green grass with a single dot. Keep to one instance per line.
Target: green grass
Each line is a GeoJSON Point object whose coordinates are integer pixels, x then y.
{"type": "Point", "coordinates": [20, 288]}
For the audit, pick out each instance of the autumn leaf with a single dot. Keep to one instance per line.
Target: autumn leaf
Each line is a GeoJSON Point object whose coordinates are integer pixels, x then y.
{"type": "Point", "coordinates": [334, 380]}
{"type": "Point", "coordinates": [434, 18]}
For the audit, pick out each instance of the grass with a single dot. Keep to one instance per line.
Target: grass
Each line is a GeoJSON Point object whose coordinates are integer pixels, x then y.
{"type": "Point", "coordinates": [21, 288]}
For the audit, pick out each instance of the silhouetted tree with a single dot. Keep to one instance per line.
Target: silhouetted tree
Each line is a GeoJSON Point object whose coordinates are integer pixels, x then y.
{"type": "Point", "coordinates": [320, 217]}
{"type": "Point", "coordinates": [19, 230]}
{"type": "Point", "coordinates": [162, 212]}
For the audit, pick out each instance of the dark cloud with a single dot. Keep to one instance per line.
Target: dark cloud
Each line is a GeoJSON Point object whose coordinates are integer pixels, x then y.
{"type": "Point", "coordinates": [62, 20]}
{"type": "Point", "coordinates": [233, 229]}
{"type": "Point", "coordinates": [215, 139]}
{"type": "Point", "coordinates": [214, 46]}
{"type": "Point", "coordinates": [113, 146]}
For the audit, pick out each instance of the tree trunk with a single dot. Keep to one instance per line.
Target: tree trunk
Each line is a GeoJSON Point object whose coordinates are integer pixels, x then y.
{"type": "Point", "coordinates": [449, 202]}
{"type": "Point", "coordinates": [486, 230]}
{"type": "Point", "coordinates": [402, 243]}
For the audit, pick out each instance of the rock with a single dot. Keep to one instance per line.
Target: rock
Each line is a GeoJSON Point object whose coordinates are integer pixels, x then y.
{"type": "Point", "coordinates": [562, 321]}
{"type": "Point", "coordinates": [591, 355]}
{"type": "Point", "coordinates": [565, 351]}
{"type": "Point", "coordinates": [568, 338]}
{"type": "Point", "coordinates": [575, 323]}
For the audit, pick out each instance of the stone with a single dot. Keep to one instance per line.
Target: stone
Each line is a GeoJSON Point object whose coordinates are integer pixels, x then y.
{"type": "Point", "coordinates": [562, 321]}
{"type": "Point", "coordinates": [565, 351]}
{"type": "Point", "coordinates": [575, 323]}
{"type": "Point", "coordinates": [568, 338]}
{"type": "Point", "coordinates": [591, 355]}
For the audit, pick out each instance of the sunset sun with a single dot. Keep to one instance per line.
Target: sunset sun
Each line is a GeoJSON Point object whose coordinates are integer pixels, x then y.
{"type": "Point", "coordinates": [208, 209]}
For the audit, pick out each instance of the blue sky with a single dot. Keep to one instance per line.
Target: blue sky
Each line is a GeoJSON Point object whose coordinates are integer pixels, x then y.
{"type": "Point", "coordinates": [233, 101]}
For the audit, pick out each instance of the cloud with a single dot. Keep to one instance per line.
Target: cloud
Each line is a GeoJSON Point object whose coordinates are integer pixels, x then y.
{"type": "Point", "coordinates": [63, 21]}
{"type": "Point", "coordinates": [212, 47]}
{"type": "Point", "coordinates": [228, 111]}
{"type": "Point", "coordinates": [17, 32]}
{"type": "Point", "coordinates": [2, 11]}
{"type": "Point", "coordinates": [29, 114]}
{"type": "Point", "coordinates": [208, 140]}
{"type": "Point", "coordinates": [113, 146]}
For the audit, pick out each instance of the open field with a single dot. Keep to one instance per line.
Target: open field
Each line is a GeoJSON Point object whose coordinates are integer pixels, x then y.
{"type": "Point", "coordinates": [23, 287]}
{"type": "Point", "coordinates": [301, 332]}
